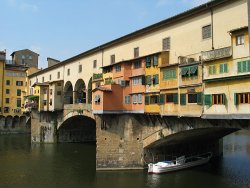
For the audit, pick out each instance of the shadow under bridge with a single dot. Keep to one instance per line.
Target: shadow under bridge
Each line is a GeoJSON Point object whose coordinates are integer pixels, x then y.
{"type": "Point", "coordinates": [77, 128]}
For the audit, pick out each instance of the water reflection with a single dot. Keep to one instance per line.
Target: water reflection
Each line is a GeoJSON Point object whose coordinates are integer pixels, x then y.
{"type": "Point", "coordinates": [73, 165]}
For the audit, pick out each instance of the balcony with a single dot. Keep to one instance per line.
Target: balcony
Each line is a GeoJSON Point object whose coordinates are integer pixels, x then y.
{"type": "Point", "coordinates": [217, 54]}
{"type": "Point", "coordinates": [97, 76]}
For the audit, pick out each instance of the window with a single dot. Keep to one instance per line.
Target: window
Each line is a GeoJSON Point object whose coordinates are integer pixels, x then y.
{"type": "Point", "coordinates": [166, 43]}
{"type": "Point", "coordinates": [68, 72]}
{"type": "Point", "coordinates": [127, 100]}
{"type": "Point", "coordinates": [7, 100]}
{"type": "Point", "coordinates": [155, 60]}
{"type": "Point", "coordinates": [169, 98]}
{"type": "Point", "coordinates": [112, 59]}
{"type": "Point", "coordinates": [148, 80]}
{"type": "Point", "coordinates": [169, 74]}
{"type": "Point", "coordinates": [97, 84]}
{"type": "Point", "coordinates": [242, 98]}
{"type": "Point", "coordinates": [223, 68]}
{"type": "Point", "coordinates": [240, 40]}
{"type": "Point", "coordinates": [244, 66]}
{"type": "Point", "coordinates": [7, 82]}
{"type": "Point", "coordinates": [212, 70]}
{"type": "Point", "coordinates": [19, 83]}
{"type": "Point", "coordinates": [97, 99]}
{"type": "Point", "coordinates": [45, 102]}
{"type": "Point", "coordinates": [218, 99]}
{"type": "Point", "coordinates": [148, 61]}
{"type": "Point", "coordinates": [30, 57]}
{"type": "Point", "coordinates": [153, 99]}
{"type": "Point", "coordinates": [6, 109]}
{"type": "Point", "coordinates": [79, 68]}
{"type": "Point", "coordinates": [50, 77]}
{"type": "Point", "coordinates": [58, 75]}
{"type": "Point", "coordinates": [50, 102]}
{"type": "Point", "coordinates": [94, 63]}
{"type": "Point", "coordinates": [45, 91]}
{"type": "Point", "coordinates": [136, 52]}
{"type": "Point", "coordinates": [135, 99]}
{"type": "Point", "coordinates": [155, 79]}
{"type": "Point", "coordinates": [118, 68]}
{"type": "Point", "coordinates": [206, 32]}
{"type": "Point", "coordinates": [137, 64]}
{"type": "Point", "coordinates": [59, 93]}
{"type": "Point", "coordinates": [107, 70]}
{"type": "Point", "coordinates": [18, 92]}
{"type": "Point", "coordinates": [18, 103]}
{"type": "Point", "coordinates": [192, 98]}
{"type": "Point", "coordinates": [50, 91]}
{"type": "Point", "coordinates": [7, 91]}
{"type": "Point", "coordinates": [23, 56]}
{"type": "Point", "coordinates": [42, 79]}
{"type": "Point", "coordinates": [139, 98]}
{"type": "Point", "coordinates": [172, 98]}
{"type": "Point", "coordinates": [137, 80]}
{"type": "Point", "coordinates": [189, 71]}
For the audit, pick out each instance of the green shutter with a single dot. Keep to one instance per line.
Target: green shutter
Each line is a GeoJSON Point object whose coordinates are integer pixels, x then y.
{"type": "Point", "coordinates": [175, 98]}
{"type": "Point", "coordinates": [221, 68]}
{"type": "Point", "coordinates": [199, 98]}
{"type": "Point", "coordinates": [236, 99]}
{"type": "Point", "coordinates": [208, 100]}
{"type": "Point", "coordinates": [183, 99]}
{"type": "Point", "coordinates": [147, 100]}
{"type": "Point", "coordinates": [226, 67]}
{"type": "Point", "coordinates": [248, 66]}
{"type": "Point", "coordinates": [244, 66]}
{"type": "Point", "coordinates": [214, 69]}
{"type": "Point", "coordinates": [162, 99]}
{"type": "Point", "coordinates": [148, 61]}
{"type": "Point", "coordinates": [155, 60]}
{"type": "Point", "coordinates": [239, 67]}
{"type": "Point", "coordinates": [143, 81]}
{"type": "Point", "coordinates": [174, 73]}
{"type": "Point", "coordinates": [223, 98]}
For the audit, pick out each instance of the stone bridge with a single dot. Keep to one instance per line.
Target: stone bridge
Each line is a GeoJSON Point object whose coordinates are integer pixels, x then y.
{"type": "Point", "coordinates": [16, 124]}
{"type": "Point", "coordinates": [129, 141]}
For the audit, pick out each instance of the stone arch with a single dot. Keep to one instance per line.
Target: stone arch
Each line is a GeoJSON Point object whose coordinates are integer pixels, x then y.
{"type": "Point", "coordinates": [15, 122]}
{"type": "Point", "coordinates": [2, 122]}
{"type": "Point", "coordinates": [8, 122]}
{"type": "Point", "coordinates": [68, 93]}
{"type": "Point", "coordinates": [80, 92]}
{"type": "Point", "coordinates": [90, 91]}
{"type": "Point", "coordinates": [77, 128]}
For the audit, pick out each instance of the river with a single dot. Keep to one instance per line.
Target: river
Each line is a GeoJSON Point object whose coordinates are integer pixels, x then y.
{"type": "Point", "coordinates": [73, 165]}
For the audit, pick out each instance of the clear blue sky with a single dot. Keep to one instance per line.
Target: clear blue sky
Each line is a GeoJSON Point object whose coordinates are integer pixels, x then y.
{"type": "Point", "coordinates": [61, 29]}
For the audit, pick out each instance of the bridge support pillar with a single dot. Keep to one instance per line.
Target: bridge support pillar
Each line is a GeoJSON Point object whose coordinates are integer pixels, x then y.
{"type": "Point", "coordinates": [43, 127]}
{"type": "Point", "coordinates": [119, 143]}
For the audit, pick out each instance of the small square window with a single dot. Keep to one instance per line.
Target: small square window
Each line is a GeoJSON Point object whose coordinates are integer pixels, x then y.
{"type": "Point", "coordinates": [112, 59]}
{"type": "Point", "coordinates": [50, 77]}
{"type": "Point", "coordinates": [80, 68]}
{"type": "Point", "coordinates": [166, 43]}
{"type": "Point", "coordinates": [240, 40]}
{"type": "Point", "coordinates": [58, 75]}
{"type": "Point", "coordinates": [7, 82]}
{"type": "Point", "coordinates": [206, 32]}
{"type": "Point", "coordinates": [136, 52]}
{"type": "Point", "coordinates": [94, 63]}
{"type": "Point", "coordinates": [68, 72]}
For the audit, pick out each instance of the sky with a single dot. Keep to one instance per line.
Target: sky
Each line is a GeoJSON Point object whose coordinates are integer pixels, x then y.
{"type": "Point", "coordinates": [61, 29]}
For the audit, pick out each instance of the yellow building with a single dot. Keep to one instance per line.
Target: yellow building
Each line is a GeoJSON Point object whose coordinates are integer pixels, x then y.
{"type": "Point", "coordinates": [153, 99]}
{"type": "Point", "coordinates": [227, 78]}
{"type": "Point", "coordinates": [2, 61]}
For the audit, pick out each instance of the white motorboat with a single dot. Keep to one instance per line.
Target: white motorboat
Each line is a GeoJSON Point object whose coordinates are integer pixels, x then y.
{"type": "Point", "coordinates": [178, 164]}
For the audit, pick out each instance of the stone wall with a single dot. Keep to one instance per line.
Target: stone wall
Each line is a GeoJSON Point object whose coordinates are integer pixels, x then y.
{"type": "Point", "coordinates": [14, 125]}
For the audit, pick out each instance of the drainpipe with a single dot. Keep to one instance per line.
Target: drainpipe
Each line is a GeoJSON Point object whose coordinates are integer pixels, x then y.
{"type": "Point", "coordinates": [212, 25]}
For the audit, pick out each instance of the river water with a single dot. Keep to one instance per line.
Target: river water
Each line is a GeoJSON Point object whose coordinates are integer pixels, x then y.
{"type": "Point", "coordinates": [73, 165]}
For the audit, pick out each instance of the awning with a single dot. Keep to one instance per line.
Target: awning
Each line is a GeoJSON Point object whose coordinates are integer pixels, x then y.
{"type": "Point", "coordinates": [193, 69]}
{"type": "Point", "coordinates": [184, 71]}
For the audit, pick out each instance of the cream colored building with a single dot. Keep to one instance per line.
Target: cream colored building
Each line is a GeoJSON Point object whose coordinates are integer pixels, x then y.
{"type": "Point", "coordinates": [186, 36]}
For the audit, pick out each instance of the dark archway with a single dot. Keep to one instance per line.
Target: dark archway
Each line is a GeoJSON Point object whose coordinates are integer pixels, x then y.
{"type": "Point", "coordinates": [90, 91]}
{"type": "Point", "coordinates": [68, 93]}
{"type": "Point", "coordinates": [77, 129]}
{"type": "Point", "coordinates": [80, 92]}
{"type": "Point", "coordinates": [8, 122]}
{"type": "Point", "coordinates": [15, 122]}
